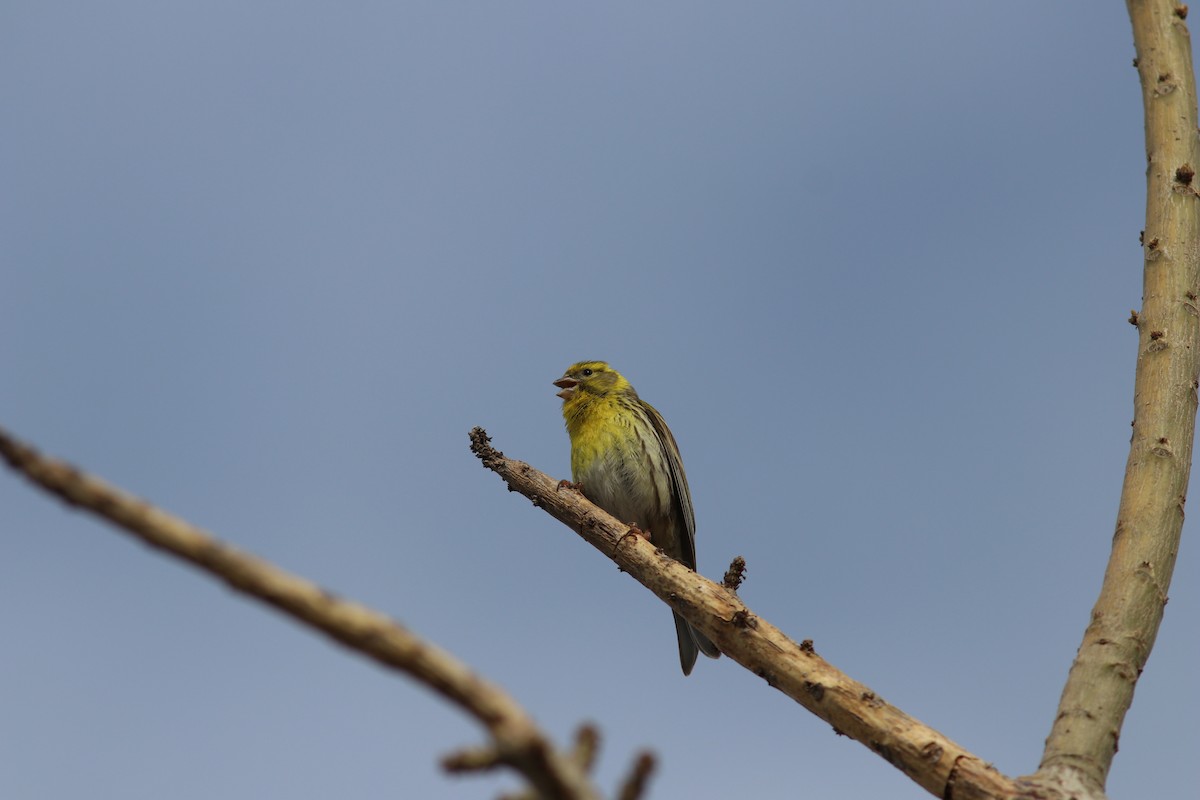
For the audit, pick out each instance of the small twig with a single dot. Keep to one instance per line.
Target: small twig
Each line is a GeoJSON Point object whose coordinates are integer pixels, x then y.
{"type": "Point", "coordinates": [587, 744]}
{"type": "Point", "coordinates": [735, 575]}
{"type": "Point", "coordinates": [478, 759]}
{"type": "Point", "coordinates": [634, 785]}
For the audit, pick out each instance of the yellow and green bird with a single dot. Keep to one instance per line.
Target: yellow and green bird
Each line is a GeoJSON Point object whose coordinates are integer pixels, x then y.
{"type": "Point", "coordinates": [625, 458]}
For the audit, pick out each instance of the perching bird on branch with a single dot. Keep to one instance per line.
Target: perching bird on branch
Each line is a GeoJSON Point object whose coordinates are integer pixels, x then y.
{"type": "Point", "coordinates": [627, 462]}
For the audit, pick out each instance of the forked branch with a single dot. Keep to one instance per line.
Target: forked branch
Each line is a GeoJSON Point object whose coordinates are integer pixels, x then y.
{"type": "Point", "coordinates": [516, 741]}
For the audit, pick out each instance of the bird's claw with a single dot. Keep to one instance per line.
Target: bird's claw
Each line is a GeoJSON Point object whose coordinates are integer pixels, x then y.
{"type": "Point", "coordinates": [634, 530]}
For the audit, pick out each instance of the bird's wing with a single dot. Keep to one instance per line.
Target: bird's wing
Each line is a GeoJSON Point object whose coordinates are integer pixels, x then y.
{"type": "Point", "coordinates": [682, 498]}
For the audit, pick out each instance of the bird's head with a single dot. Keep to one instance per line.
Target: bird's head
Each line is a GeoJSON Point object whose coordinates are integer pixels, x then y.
{"type": "Point", "coordinates": [591, 378]}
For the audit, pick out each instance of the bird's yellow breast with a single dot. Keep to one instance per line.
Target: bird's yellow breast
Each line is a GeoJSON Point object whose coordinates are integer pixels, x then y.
{"type": "Point", "coordinates": [617, 459]}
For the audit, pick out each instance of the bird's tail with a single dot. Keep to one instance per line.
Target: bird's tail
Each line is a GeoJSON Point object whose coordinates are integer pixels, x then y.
{"type": "Point", "coordinates": [691, 643]}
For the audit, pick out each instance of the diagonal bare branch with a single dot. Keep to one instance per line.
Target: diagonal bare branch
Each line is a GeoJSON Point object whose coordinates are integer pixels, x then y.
{"type": "Point", "coordinates": [516, 740]}
{"type": "Point", "coordinates": [935, 762]}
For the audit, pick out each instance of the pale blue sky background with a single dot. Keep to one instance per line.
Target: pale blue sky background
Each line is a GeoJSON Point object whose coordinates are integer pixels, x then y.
{"type": "Point", "coordinates": [266, 264]}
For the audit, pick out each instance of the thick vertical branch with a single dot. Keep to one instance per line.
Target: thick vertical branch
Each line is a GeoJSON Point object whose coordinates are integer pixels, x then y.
{"type": "Point", "coordinates": [1127, 615]}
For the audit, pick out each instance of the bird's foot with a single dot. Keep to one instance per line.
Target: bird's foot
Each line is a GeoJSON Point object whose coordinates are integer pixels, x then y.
{"type": "Point", "coordinates": [634, 530]}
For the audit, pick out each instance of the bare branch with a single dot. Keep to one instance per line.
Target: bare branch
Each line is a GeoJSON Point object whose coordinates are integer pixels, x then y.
{"type": "Point", "coordinates": [935, 762]}
{"type": "Point", "coordinates": [516, 740]}
{"type": "Point", "coordinates": [1127, 615]}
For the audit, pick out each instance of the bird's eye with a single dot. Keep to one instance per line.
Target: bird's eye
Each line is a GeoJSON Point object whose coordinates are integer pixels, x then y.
{"type": "Point", "coordinates": [587, 373]}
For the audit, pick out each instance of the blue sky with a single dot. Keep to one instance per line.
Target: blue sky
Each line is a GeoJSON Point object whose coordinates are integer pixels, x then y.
{"type": "Point", "coordinates": [265, 264]}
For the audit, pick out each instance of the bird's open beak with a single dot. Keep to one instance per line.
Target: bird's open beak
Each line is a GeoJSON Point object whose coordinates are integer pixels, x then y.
{"type": "Point", "coordinates": [568, 387]}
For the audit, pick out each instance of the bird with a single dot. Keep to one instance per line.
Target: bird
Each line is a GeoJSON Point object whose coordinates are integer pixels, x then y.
{"type": "Point", "coordinates": [625, 460]}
